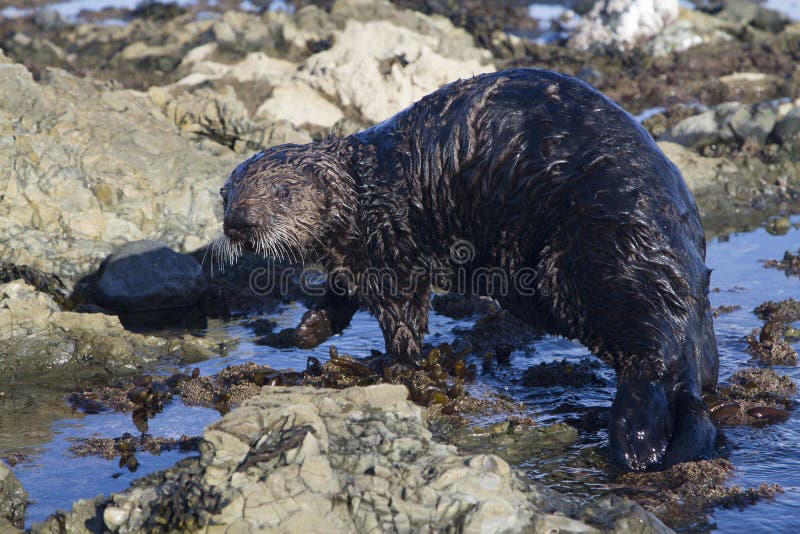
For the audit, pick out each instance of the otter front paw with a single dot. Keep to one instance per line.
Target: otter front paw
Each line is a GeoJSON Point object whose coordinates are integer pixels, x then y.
{"type": "Point", "coordinates": [651, 428]}
{"type": "Point", "coordinates": [314, 328]}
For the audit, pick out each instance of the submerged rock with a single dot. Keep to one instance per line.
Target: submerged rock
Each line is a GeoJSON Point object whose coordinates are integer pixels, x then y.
{"type": "Point", "coordinates": [311, 460]}
{"type": "Point", "coordinates": [37, 339]}
{"type": "Point", "coordinates": [148, 275]}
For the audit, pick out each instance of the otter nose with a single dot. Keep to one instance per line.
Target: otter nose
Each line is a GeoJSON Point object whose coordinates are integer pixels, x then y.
{"type": "Point", "coordinates": [239, 222]}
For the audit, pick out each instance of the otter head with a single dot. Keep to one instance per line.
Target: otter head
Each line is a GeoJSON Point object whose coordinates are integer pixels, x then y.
{"type": "Point", "coordinates": [274, 204]}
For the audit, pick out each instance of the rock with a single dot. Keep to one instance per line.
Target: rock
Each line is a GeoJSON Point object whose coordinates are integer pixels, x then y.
{"type": "Point", "coordinates": [440, 34]}
{"type": "Point", "coordinates": [691, 29]}
{"type": "Point", "coordinates": [38, 339]}
{"type": "Point", "coordinates": [35, 50]}
{"type": "Point", "coordinates": [148, 275]}
{"type": "Point", "coordinates": [254, 67]}
{"type": "Point", "coordinates": [622, 24]}
{"type": "Point", "coordinates": [741, 13]}
{"type": "Point", "coordinates": [13, 499]}
{"type": "Point", "coordinates": [320, 460]}
{"type": "Point", "coordinates": [786, 131]}
{"type": "Point", "coordinates": [106, 168]}
{"type": "Point", "coordinates": [698, 130]}
{"type": "Point", "coordinates": [754, 123]}
{"type": "Point", "coordinates": [239, 32]}
{"type": "Point", "coordinates": [48, 19]}
{"type": "Point", "coordinates": [300, 105]}
{"type": "Point", "coordinates": [376, 69]}
{"type": "Point", "coordinates": [220, 116]}
{"type": "Point", "coordinates": [725, 123]}
{"type": "Point", "coordinates": [458, 306]}
{"type": "Point", "coordinates": [730, 189]}
{"type": "Point", "coordinates": [750, 86]}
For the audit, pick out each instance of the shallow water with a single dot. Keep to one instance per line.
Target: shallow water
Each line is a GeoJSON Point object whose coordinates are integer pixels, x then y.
{"type": "Point", "coordinates": [54, 478]}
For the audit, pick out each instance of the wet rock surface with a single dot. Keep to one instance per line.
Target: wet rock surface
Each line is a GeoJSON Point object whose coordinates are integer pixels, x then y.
{"type": "Point", "coordinates": [38, 339]}
{"type": "Point", "coordinates": [695, 486]}
{"type": "Point", "coordinates": [315, 460]}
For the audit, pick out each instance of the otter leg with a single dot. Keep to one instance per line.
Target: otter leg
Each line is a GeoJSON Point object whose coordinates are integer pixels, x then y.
{"type": "Point", "coordinates": [404, 323]}
{"type": "Point", "coordinates": [326, 319]}
{"type": "Point", "coordinates": [638, 300]}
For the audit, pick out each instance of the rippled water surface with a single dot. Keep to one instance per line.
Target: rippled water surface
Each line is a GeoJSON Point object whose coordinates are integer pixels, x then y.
{"type": "Point", "coordinates": [54, 478]}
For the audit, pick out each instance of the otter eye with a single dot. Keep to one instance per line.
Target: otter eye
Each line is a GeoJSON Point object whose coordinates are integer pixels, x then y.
{"type": "Point", "coordinates": [223, 192]}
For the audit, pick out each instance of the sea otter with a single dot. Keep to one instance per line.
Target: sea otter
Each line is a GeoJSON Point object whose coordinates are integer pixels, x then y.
{"type": "Point", "coordinates": [534, 172]}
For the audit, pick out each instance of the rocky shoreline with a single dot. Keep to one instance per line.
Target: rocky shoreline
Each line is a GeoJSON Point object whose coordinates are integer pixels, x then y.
{"type": "Point", "coordinates": [114, 141]}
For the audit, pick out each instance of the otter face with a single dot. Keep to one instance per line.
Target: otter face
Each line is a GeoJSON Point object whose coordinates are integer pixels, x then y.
{"type": "Point", "coordinates": [272, 205]}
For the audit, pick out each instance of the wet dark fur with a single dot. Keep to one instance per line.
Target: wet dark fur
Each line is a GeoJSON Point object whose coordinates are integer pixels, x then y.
{"type": "Point", "coordinates": [537, 170]}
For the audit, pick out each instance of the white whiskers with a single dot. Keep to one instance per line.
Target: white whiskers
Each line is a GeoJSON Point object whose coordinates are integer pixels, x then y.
{"type": "Point", "coordinates": [224, 252]}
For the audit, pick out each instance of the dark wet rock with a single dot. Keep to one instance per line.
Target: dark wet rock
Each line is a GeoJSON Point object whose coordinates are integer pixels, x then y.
{"type": "Point", "coordinates": [778, 225]}
{"type": "Point", "coordinates": [128, 445]}
{"type": "Point", "coordinates": [48, 19]}
{"type": "Point", "coordinates": [784, 311]}
{"type": "Point", "coordinates": [149, 275]}
{"type": "Point", "coordinates": [753, 396]}
{"type": "Point", "coordinates": [157, 10]}
{"type": "Point", "coordinates": [790, 264]}
{"type": "Point", "coordinates": [498, 332]}
{"type": "Point", "coordinates": [516, 442]}
{"type": "Point", "coordinates": [769, 346]}
{"type": "Point", "coordinates": [725, 309]}
{"type": "Point", "coordinates": [688, 489]}
{"type": "Point", "coordinates": [287, 457]}
{"type": "Point", "coordinates": [760, 384]}
{"type": "Point", "coordinates": [13, 499]}
{"type": "Point", "coordinates": [459, 306]}
{"type": "Point", "coordinates": [564, 373]}
{"type": "Point", "coordinates": [252, 284]}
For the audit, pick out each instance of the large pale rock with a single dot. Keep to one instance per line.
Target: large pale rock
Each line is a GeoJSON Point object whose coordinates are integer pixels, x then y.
{"type": "Point", "coordinates": [623, 24]}
{"type": "Point", "coordinates": [254, 67]}
{"type": "Point", "coordinates": [85, 167]}
{"type": "Point", "coordinates": [377, 68]}
{"type": "Point", "coordinates": [353, 460]}
{"type": "Point", "coordinates": [300, 105]}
